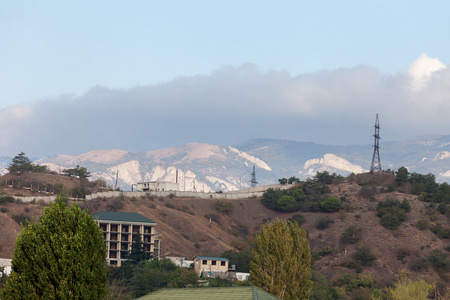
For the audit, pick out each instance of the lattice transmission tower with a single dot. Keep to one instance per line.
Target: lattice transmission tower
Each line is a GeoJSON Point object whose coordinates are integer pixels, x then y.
{"type": "Point", "coordinates": [253, 180]}
{"type": "Point", "coordinates": [376, 162]}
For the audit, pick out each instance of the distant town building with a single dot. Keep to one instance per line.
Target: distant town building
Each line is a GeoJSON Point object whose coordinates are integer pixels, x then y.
{"type": "Point", "coordinates": [157, 186]}
{"type": "Point", "coordinates": [6, 264]}
{"type": "Point", "coordinates": [118, 230]}
{"type": "Point", "coordinates": [180, 261]}
{"type": "Point", "coordinates": [212, 267]}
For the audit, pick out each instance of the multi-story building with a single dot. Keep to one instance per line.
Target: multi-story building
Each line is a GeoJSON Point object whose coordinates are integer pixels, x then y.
{"type": "Point", "coordinates": [118, 231]}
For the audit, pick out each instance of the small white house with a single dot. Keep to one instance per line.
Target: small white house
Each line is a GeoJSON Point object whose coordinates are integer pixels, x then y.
{"type": "Point", "coordinates": [157, 186]}
{"type": "Point", "coordinates": [180, 261]}
{"type": "Point", "coordinates": [242, 276]}
{"type": "Point", "coordinates": [5, 263]}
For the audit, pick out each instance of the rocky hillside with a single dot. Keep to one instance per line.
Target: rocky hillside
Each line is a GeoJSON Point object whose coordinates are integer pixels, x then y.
{"type": "Point", "coordinates": [190, 227]}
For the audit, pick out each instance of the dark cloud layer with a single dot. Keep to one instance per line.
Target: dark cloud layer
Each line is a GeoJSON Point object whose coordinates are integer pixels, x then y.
{"type": "Point", "coordinates": [229, 106]}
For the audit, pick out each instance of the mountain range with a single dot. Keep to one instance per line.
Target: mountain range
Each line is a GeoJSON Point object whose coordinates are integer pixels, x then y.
{"type": "Point", "coordinates": [204, 167]}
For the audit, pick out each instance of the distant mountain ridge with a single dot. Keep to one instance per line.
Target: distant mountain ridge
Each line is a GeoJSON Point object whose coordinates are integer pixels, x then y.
{"type": "Point", "coordinates": [204, 167]}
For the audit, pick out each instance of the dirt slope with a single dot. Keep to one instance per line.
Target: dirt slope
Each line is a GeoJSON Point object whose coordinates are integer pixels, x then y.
{"type": "Point", "coordinates": [185, 229]}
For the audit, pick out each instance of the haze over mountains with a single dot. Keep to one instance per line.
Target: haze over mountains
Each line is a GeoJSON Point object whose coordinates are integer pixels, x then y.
{"type": "Point", "coordinates": [204, 167]}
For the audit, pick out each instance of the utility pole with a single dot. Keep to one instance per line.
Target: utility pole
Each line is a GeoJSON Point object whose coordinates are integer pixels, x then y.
{"type": "Point", "coordinates": [376, 162]}
{"type": "Point", "coordinates": [253, 180]}
{"type": "Point", "coordinates": [117, 177]}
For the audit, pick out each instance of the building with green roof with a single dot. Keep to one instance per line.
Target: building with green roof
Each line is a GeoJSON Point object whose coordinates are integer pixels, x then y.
{"type": "Point", "coordinates": [207, 293]}
{"type": "Point", "coordinates": [118, 230]}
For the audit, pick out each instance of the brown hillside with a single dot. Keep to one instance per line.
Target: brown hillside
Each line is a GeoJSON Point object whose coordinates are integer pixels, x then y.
{"type": "Point", "coordinates": [185, 229]}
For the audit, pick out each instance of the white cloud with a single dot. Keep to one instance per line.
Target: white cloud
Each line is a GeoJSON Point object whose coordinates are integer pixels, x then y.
{"type": "Point", "coordinates": [233, 104]}
{"type": "Point", "coordinates": [422, 69]}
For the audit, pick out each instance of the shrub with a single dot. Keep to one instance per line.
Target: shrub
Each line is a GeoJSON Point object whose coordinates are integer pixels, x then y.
{"type": "Point", "coordinates": [115, 205]}
{"type": "Point", "coordinates": [438, 259]}
{"type": "Point", "coordinates": [6, 199]}
{"type": "Point", "coordinates": [368, 191]}
{"type": "Point", "coordinates": [390, 221]}
{"type": "Point", "coordinates": [392, 213]}
{"type": "Point", "coordinates": [364, 256]}
{"type": "Point", "coordinates": [423, 224]}
{"type": "Point", "coordinates": [442, 208]}
{"type": "Point", "coordinates": [441, 231]}
{"type": "Point", "coordinates": [420, 264]}
{"type": "Point", "coordinates": [351, 235]}
{"type": "Point", "coordinates": [408, 289]}
{"type": "Point", "coordinates": [299, 195]}
{"type": "Point", "coordinates": [21, 219]}
{"type": "Point", "coordinates": [298, 218]}
{"type": "Point", "coordinates": [169, 205]}
{"type": "Point", "coordinates": [223, 206]}
{"type": "Point", "coordinates": [286, 204]}
{"type": "Point", "coordinates": [318, 254]}
{"type": "Point", "coordinates": [324, 223]}
{"type": "Point", "coordinates": [331, 204]}
{"type": "Point", "coordinates": [403, 252]}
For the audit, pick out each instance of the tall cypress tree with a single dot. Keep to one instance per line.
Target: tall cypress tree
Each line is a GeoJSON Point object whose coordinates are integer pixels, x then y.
{"type": "Point", "coordinates": [61, 257]}
{"type": "Point", "coordinates": [281, 261]}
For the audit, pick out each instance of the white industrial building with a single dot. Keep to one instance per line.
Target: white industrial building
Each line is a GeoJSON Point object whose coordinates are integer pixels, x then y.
{"type": "Point", "coordinates": [156, 186]}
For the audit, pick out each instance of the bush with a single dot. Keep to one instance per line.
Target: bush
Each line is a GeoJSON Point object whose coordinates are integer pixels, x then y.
{"type": "Point", "coordinates": [318, 254]}
{"type": "Point", "coordinates": [115, 205]}
{"type": "Point", "coordinates": [392, 213]}
{"type": "Point", "coordinates": [331, 204]}
{"type": "Point", "coordinates": [403, 252]}
{"type": "Point", "coordinates": [21, 219]}
{"type": "Point", "coordinates": [286, 204]}
{"type": "Point", "coordinates": [223, 206]}
{"type": "Point", "coordinates": [441, 231]}
{"type": "Point", "coordinates": [364, 256]}
{"type": "Point", "coordinates": [368, 191]}
{"type": "Point", "coordinates": [6, 199]}
{"type": "Point", "coordinates": [169, 205]}
{"type": "Point", "coordinates": [298, 218]}
{"type": "Point", "coordinates": [324, 223]}
{"type": "Point", "coordinates": [351, 235]}
{"type": "Point", "coordinates": [438, 259]}
{"type": "Point", "coordinates": [423, 224]}
{"type": "Point", "coordinates": [420, 264]}
{"type": "Point", "coordinates": [390, 221]}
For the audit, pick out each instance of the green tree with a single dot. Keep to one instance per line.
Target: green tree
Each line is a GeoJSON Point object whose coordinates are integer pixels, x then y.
{"type": "Point", "coordinates": [402, 175]}
{"type": "Point", "coordinates": [240, 259]}
{"type": "Point", "coordinates": [281, 261]}
{"type": "Point", "coordinates": [81, 173]}
{"type": "Point", "coordinates": [282, 180]}
{"type": "Point", "coordinates": [137, 252]}
{"type": "Point", "coordinates": [20, 164]}
{"type": "Point", "coordinates": [407, 289]}
{"type": "Point", "coordinates": [60, 257]}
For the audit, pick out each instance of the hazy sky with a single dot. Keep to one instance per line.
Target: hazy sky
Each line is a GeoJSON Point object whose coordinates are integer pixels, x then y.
{"type": "Point", "coordinates": [141, 75]}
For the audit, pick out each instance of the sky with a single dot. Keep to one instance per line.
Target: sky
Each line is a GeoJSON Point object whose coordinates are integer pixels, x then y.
{"type": "Point", "coordinates": [77, 76]}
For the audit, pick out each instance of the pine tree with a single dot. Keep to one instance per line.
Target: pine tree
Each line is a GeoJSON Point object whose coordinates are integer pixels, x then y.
{"type": "Point", "coordinates": [61, 257]}
{"type": "Point", "coordinates": [281, 261]}
{"type": "Point", "coordinates": [20, 164]}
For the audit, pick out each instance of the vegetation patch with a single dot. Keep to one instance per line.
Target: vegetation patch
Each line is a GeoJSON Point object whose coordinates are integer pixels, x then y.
{"type": "Point", "coordinates": [392, 212]}
{"type": "Point", "coordinates": [223, 206]}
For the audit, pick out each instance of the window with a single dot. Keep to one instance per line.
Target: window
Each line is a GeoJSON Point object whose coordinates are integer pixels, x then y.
{"type": "Point", "coordinates": [213, 262]}
{"type": "Point", "coordinates": [204, 262]}
{"type": "Point", "coordinates": [222, 263]}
